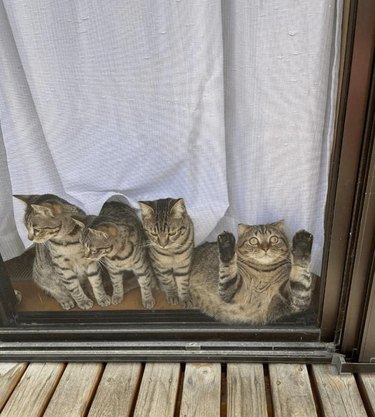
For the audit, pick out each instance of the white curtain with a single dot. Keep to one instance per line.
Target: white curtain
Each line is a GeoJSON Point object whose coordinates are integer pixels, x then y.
{"type": "Point", "coordinates": [229, 104]}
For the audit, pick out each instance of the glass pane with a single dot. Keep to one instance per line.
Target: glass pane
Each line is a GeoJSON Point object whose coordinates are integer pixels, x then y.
{"type": "Point", "coordinates": [168, 156]}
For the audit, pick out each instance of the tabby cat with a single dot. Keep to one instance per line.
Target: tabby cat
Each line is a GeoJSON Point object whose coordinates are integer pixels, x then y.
{"type": "Point", "coordinates": [171, 235]}
{"type": "Point", "coordinates": [60, 266]}
{"type": "Point", "coordinates": [116, 237]}
{"type": "Point", "coordinates": [257, 281]}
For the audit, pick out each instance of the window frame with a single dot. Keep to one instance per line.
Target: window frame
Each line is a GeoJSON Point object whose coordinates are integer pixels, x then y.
{"type": "Point", "coordinates": [186, 335]}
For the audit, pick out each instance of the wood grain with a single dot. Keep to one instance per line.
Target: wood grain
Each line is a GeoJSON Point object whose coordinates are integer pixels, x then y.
{"type": "Point", "coordinates": [75, 390]}
{"type": "Point", "coordinates": [201, 390]}
{"type": "Point", "coordinates": [33, 392]}
{"type": "Point", "coordinates": [338, 394]}
{"type": "Point", "coordinates": [246, 391]}
{"type": "Point", "coordinates": [158, 390]}
{"type": "Point", "coordinates": [117, 390]}
{"type": "Point", "coordinates": [10, 374]}
{"type": "Point", "coordinates": [367, 384]}
{"type": "Point", "coordinates": [291, 391]}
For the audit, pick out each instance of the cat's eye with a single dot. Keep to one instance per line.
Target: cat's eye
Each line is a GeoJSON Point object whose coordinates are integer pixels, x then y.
{"type": "Point", "coordinates": [274, 239]}
{"type": "Point", "coordinates": [253, 241]}
{"type": "Point", "coordinates": [174, 233]}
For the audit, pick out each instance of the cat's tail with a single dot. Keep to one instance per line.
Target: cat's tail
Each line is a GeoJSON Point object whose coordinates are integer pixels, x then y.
{"type": "Point", "coordinates": [231, 313]}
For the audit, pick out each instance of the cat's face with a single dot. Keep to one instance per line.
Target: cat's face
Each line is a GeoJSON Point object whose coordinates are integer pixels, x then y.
{"type": "Point", "coordinates": [47, 217]}
{"type": "Point", "coordinates": [164, 221]}
{"type": "Point", "coordinates": [263, 244]}
{"type": "Point", "coordinates": [102, 240]}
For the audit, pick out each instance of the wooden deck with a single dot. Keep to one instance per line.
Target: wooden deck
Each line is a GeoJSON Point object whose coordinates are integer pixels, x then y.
{"type": "Point", "coordinates": [179, 390]}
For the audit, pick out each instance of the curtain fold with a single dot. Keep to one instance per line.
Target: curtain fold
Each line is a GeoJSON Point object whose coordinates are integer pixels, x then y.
{"type": "Point", "coordinates": [227, 104]}
{"type": "Point", "coordinates": [281, 63]}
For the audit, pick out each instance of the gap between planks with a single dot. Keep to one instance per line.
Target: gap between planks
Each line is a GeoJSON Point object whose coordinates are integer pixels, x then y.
{"type": "Point", "coordinates": [120, 389]}
{"type": "Point", "coordinates": [34, 390]}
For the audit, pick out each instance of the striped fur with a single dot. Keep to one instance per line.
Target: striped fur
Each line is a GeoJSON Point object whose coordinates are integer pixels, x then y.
{"type": "Point", "coordinates": [171, 235]}
{"type": "Point", "coordinates": [257, 281]}
{"type": "Point", "coordinates": [60, 266]}
{"type": "Point", "coordinates": [116, 237]}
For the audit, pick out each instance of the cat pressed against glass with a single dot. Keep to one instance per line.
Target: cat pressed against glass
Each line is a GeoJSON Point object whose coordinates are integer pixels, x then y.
{"type": "Point", "coordinates": [257, 281]}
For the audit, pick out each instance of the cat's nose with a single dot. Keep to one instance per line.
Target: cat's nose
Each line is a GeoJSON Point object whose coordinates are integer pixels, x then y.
{"type": "Point", "coordinates": [163, 242]}
{"type": "Point", "coordinates": [265, 247]}
{"type": "Point", "coordinates": [30, 236]}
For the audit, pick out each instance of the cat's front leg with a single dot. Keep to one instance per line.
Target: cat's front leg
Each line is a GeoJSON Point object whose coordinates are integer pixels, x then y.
{"type": "Point", "coordinates": [228, 274]}
{"type": "Point", "coordinates": [300, 275]}
{"type": "Point", "coordinates": [71, 282]}
{"type": "Point", "coordinates": [95, 279]}
{"type": "Point", "coordinates": [117, 279]}
{"type": "Point", "coordinates": [167, 283]}
{"type": "Point", "coordinates": [181, 275]}
{"type": "Point", "coordinates": [145, 276]}
{"type": "Point", "coordinates": [163, 268]}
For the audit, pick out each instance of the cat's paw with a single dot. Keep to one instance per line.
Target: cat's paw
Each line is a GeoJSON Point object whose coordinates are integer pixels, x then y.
{"type": "Point", "coordinates": [301, 248]}
{"type": "Point", "coordinates": [18, 296]}
{"type": "Point", "coordinates": [104, 301]}
{"type": "Point", "coordinates": [117, 298]}
{"type": "Point", "coordinates": [67, 304]}
{"type": "Point", "coordinates": [85, 304]}
{"type": "Point", "coordinates": [226, 244]}
{"type": "Point", "coordinates": [172, 299]}
{"type": "Point", "coordinates": [149, 303]}
{"type": "Point", "coordinates": [188, 303]}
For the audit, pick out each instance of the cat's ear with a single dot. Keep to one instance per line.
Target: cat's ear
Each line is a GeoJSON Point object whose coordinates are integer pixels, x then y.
{"type": "Point", "coordinates": [79, 222]}
{"type": "Point", "coordinates": [42, 210]}
{"type": "Point", "coordinates": [146, 208]}
{"type": "Point", "coordinates": [243, 228]}
{"type": "Point", "coordinates": [279, 225]}
{"type": "Point", "coordinates": [178, 209]}
{"type": "Point", "coordinates": [26, 198]}
{"type": "Point", "coordinates": [108, 230]}
{"type": "Point", "coordinates": [58, 208]}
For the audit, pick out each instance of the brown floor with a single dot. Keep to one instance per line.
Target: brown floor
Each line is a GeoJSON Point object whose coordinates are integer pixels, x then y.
{"type": "Point", "coordinates": [33, 299]}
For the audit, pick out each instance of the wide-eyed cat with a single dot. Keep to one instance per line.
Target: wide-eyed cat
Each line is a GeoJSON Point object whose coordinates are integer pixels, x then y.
{"type": "Point", "coordinates": [60, 266]}
{"type": "Point", "coordinates": [170, 232]}
{"type": "Point", "coordinates": [257, 281]}
{"type": "Point", "coordinates": [117, 239]}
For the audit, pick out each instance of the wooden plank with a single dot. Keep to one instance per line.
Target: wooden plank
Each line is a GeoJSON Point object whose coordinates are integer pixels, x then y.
{"type": "Point", "coordinates": [338, 394]}
{"type": "Point", "coordinates": [367, 384]}
{"type": "Point", "coordinates": [201, 390]}
{"type": "Point", "coordinates": [246, 390]}
{"type": "Point", "coordinates": [158, 391]}
{"type": "Point", "coordinates": [10, 374]}
{"type": "Point", "coordinates": [291, 391]}
{"type": "Point", "coordinates": [34, 390]}
{"type": "Point", "coordinates": [75, 390]}
{"type": "Point", "coordinates": [117, 390]}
